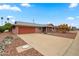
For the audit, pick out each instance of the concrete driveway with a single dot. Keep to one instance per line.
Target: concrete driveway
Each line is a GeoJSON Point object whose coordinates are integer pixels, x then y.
{"type": "Point", "coordinates": [46, 44]}
{"type": "Point", "coordinates": [74, 48]}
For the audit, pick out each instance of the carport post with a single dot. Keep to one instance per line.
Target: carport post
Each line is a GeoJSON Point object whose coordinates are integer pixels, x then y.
{"type": "Point", "coordinates": [46, 29]}
{"type": "Point", "coordinates": [41, 29]}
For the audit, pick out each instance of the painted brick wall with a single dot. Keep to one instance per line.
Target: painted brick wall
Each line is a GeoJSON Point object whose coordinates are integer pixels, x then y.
{"type": "Point", "coordinates": [15, 30]}
{"type": "Point", "coordinates": [38, 30]}
{"type": "Point", "coordinates": [25, 29]}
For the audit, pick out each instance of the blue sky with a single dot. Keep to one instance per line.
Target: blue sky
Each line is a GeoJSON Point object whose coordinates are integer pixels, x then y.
{"type": "Point", "coordinates": [42, 13]}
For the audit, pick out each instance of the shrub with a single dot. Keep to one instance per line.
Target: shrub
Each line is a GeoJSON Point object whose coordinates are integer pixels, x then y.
{"type": "Point", "coordinates": [2, 29]}
{"type": "Point", "coordinates": [64, 28]}
{"type": "Point", "coordinates": [8, 26]}
{"type": "Point", "coordinates": [7, 40]}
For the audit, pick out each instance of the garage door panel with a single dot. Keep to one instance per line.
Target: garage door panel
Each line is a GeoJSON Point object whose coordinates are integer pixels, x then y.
{"type": "Point", "coordinates": [24, 30]}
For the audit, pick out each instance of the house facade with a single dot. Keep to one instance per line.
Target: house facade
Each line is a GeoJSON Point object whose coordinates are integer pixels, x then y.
{"type": "Point", "coordinates": [25, 28]}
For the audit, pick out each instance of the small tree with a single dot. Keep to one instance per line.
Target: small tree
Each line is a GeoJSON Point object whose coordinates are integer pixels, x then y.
{"type": "Point", "coordinates": [64, 28]}
{"type": "Point", "coordinates": [8, 26]}
{"type": "Point", "coordinates": [2, 29]}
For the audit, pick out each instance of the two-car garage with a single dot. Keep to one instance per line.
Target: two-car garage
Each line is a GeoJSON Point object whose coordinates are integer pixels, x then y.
{"type": "Point", "coordinates": [23, 30]}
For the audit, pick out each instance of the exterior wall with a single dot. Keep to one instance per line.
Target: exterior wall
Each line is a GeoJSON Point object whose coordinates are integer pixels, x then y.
{"type": "Point", "coordinates": [38, 30]}
{"type": "Point", "coordinates": [25, 29]}
{"type": "Point", "coordinates": [43, 29]}
{"type": "Point", "coordinates": [15, 30]}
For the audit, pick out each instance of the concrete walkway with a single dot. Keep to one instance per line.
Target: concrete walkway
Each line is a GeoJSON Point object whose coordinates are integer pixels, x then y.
{"type": "Point", "coordinates": [74, 48]}
{"type": "Point", "coordinates": [47, 44]}
{"type": "Point", "coordinates": [23, 48]}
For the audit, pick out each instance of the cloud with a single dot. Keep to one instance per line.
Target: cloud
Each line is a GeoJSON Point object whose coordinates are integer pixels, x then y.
{"type": "Point", "coordinates": [12, 19]}
{"type": "Point", "coordinates": [73, 5]}
{"type": "Point", "coordinates": [72, 24]}
{"type": "Point", "coordinates": [25, 5]}
{"type": "Point", "coordinates": [70, 18]}
{"type": "Point", "coordinates": [49, 23]}
{"type": "Point", "coordinates": [10, 16]}
{"type": "Point", "coordinates": [9, 7]}
{"type": "Point", "coordinates": [77, 16]}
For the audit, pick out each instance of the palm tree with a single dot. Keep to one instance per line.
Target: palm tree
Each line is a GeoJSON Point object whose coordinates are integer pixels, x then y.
{"type": "Point", "coordinates": [8, 19]}
{"type": "Point", "coordinates": [2, 20]}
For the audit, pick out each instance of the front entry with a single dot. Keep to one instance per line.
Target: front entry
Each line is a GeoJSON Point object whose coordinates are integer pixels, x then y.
{"type": "Point", "coordinates": [44, 29]}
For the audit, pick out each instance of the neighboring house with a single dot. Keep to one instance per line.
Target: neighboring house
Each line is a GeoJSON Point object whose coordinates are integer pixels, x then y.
{"type": "Point", "coordinates": [25, 27]}
{"type": "Point", "coordinates": [74, 28]}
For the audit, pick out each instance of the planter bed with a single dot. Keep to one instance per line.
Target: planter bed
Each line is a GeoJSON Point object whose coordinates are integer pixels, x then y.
{"type": "Point", "coordinates": [10, 49]}
{"type": "Point", "coordinates": [66, 35]}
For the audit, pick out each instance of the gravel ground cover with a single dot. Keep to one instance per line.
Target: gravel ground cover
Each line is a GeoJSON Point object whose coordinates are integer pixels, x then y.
{"type": "Point", "coordinates": [10, 49]}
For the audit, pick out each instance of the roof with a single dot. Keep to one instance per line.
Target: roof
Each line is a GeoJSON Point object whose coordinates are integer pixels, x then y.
{"type": "Point", "coordinates": [32, 24]}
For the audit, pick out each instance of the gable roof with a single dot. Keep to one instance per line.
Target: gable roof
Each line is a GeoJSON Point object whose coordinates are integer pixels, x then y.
{"type": "Point", "coordinates": [32, 24]}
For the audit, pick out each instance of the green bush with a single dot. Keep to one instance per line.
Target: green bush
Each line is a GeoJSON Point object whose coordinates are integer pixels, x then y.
{"type": "Point", "coordinates": [2, 29]}
{"type": "Point", "coordinates": [7, 26]}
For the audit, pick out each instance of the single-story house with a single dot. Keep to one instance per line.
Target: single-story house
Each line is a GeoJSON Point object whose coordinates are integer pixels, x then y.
{"type": "Point", "coordinates": [25, 27]}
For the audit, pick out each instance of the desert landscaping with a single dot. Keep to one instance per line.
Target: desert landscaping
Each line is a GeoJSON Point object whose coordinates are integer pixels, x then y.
{"type": "Point", "coordinates": [38, 44]}
{"type": "Point", "coordinates": [10, 49]}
